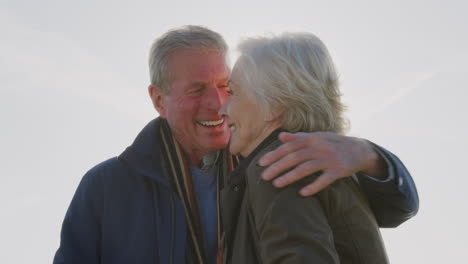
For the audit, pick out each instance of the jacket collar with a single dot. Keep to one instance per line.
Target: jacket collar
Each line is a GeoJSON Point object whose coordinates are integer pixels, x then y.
{"type": "Point", "coordinates": [237, 175]}
{"type": "Point", "coordinates": [144, 155]}
{"type": "Point", "coordinates": [233, 193]}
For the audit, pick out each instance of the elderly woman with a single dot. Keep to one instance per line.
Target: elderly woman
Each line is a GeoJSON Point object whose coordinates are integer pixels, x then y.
{"type": "Point", "coordinates": [289, 83]}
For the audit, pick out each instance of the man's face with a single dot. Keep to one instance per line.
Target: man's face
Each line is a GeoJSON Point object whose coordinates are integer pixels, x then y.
{"type": "Point", "coordinates": [198, 88]}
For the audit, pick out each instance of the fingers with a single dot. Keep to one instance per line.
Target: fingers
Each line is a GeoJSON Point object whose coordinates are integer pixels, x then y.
{"type": "Point", "coordinates": [286, 137]}
{"type": "Point", "coordinates": [273, 156]}
{"type": "Point", "coordinates": [292, 143]}
{"type": "Point", "coordinates": [296, 174]}
{"type": "Point", "coordinates": [290, 160]}
{"type": "Point", "coordinates": [319, 184]}
{"type": "Point", "coordinates": [307, 153]}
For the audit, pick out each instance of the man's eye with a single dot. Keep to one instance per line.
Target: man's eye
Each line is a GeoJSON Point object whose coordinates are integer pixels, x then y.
{"type": "Point", "coordinates": [226, 88]}
{"type": "Point", "coordinates": [195, 92]}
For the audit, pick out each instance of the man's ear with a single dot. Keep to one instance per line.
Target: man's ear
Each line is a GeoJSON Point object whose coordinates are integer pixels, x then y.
{"type": "Point", "coordinates": [157, 97]}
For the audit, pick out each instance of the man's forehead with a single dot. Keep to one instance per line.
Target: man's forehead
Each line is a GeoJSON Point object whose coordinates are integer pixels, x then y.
{"type": "Point", "coordinates": [198, 66]}
{"type": "Point", "coordinates": [203, 82]}
{"type": "Point", "coordinates": [198, 53]}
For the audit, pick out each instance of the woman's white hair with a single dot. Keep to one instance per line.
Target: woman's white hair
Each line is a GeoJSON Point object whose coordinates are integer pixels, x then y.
{"type": "Point", "coordinates": [294, 76]}
{"type": "Point", "coordinates": [186, 37]}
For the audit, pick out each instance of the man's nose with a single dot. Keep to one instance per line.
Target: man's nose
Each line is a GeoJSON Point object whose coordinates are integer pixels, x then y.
{"type": "Point", "coordinates": [223, 110]}
{"type": "Point", "coordinates": [214, 98]}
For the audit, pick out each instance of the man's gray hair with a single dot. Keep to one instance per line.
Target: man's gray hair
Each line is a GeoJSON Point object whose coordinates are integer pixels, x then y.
{"type": "Point", "coordinates": [293, 75]}
{"type": "Point", "coordinates": [186, 37]}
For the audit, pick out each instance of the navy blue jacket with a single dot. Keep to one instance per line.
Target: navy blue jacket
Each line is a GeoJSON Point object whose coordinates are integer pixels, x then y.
{"type": "Point", "coordinates": [125, 211]}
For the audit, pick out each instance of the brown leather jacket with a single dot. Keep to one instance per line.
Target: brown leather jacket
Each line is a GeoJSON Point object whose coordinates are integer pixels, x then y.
{"type": "Point", "coordinates": [264, 224]}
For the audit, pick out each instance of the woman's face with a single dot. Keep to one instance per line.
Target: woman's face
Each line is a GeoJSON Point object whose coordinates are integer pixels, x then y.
{"type": "Point", "coordinates": [249, 126]}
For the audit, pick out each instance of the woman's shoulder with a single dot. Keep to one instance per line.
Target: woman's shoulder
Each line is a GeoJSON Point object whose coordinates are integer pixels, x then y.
{"type": "Point", "coordinates": [254, 168]}
{"type": "Point", "coordinates": [343, 194]}
{"type": "Point", "coordinates": [264, 198]}
{"type": "Point", "coordinates": [254, 171]}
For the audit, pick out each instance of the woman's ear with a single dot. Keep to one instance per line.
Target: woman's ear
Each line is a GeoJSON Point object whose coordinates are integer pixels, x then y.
{"type": "Point", "coordinates": [275, 115]}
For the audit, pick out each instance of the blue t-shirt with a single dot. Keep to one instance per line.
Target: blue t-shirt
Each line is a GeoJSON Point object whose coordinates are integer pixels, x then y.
{"type": "Point", "coordinates": [205, 191]}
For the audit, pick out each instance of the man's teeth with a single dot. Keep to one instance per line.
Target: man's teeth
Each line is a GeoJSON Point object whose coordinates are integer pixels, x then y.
{"type": "Point", "coordinates": [211, 123]}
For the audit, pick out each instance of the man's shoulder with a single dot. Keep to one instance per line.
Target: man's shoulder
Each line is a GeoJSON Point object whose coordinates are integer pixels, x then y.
{"type": "Point", "coordinates": [110, 165]}
{"type": "Point", "coordinates": [111, 178]}
{"type": "Point", "coordinates": [109, 169]}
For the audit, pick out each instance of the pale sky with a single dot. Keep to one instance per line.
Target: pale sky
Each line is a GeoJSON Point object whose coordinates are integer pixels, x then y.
{"type": "Point", "coordinates": [73, 92]}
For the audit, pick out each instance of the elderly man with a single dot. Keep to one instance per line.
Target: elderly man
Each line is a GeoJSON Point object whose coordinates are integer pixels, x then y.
{"type": "Point", "coordinates": [158, 201]}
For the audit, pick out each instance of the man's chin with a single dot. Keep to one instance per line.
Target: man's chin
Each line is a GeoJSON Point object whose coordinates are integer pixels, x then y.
{"type": "Point", "coordinates": [216, 145]}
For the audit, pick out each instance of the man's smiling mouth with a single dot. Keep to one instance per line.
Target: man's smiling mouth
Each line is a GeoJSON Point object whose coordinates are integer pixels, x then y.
{"type": "Point", "coordinates": [211, 123]}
